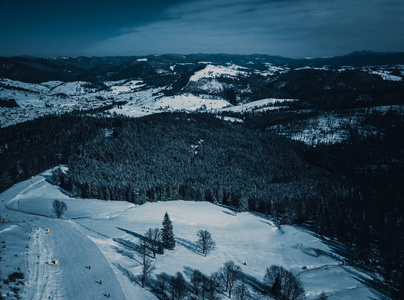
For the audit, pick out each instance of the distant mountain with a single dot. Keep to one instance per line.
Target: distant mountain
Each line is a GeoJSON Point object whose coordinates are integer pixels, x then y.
{"type": "Point", "coordinates": [364, 58]}
{"type": "Point", "coordinates": [92, 69]}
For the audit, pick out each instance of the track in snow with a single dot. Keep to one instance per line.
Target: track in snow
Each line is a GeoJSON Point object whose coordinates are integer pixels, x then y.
{"type": "Point", "coordinates": [70, 278]}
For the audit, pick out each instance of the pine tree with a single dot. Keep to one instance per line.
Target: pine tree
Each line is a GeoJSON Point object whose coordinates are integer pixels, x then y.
{"type": "Point", "coordinates": [167, 233]}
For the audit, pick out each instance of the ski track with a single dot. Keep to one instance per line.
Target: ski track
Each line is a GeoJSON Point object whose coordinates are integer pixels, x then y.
{"type": "Point", "coordinates": [70, 278]}
{"type": "Point", "coordinates": [44, 276]}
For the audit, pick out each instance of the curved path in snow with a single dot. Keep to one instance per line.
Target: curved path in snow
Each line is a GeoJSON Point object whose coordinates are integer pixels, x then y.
{"type": "Point", "coordinates": [71, 278]}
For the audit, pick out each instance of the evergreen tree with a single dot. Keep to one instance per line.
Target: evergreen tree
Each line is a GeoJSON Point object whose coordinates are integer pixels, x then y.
{"type": "Point", "coordinates": [167, 233]}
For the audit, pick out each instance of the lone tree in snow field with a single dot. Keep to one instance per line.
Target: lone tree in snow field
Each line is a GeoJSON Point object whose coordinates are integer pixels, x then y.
{"type": "Point", "coordinates": [59, 208]}
{"type": "Point", "coordinates": [205, 242]}
{"type": "Point", "coordinates": [167, 233]}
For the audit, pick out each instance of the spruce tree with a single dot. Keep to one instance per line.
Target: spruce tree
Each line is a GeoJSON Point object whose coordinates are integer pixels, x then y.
{"type": "Point", "coordinates": [167, 233]}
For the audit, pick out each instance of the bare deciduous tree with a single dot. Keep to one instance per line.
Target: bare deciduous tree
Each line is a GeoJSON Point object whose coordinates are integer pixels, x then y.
{"type": "Point", "coordinates": [283, 284]}
{"type": "Point", "coordinates": [178, 287]}
{"type": "Point", "coordinates": [147, 265]}
{"type": "Point", "coordinates": [205, 242]}
{"type": "Point", "coordinates": [241, 292]}
{"type": "Point", "coordinates": [163, 282]}
{"type": "Point", "coordinates": [197, 280]}
{"type": "Point", "coordinates": [147, 269]}
{"type": "Point", "coordinates": [59, 208]}
{"type": "Point", "coordinates": [211, 285]}
{"type": "Point", "coordinates": [230, 273]}
{"type": "Point", "coordinates": [153, 239]}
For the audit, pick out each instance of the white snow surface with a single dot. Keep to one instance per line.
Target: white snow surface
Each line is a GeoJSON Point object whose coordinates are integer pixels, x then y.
{"type": "Point", "coordinates": [332, 127]}
{"type": "Point", "coordinates": [100, 234]}
{"type": "Point", "coordinates": [187, 102]}
{"type": "Point", "coordinates": [214, 71]}
{"type": "Point", "coordinates": [385, 74]}
{"type": "Point", "coordinates": [259, 105]}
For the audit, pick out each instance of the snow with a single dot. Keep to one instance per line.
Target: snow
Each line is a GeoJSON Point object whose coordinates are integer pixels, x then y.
{"type": "Point", "coordinates": [385, 74]}
{"type": "Point", "coordinates": [327, 128]}
{"type": "Point", "coordinates": [127, 87]}
{"type": "Point", "coordinates": [272, 70]}
{"type": "Point", "coordinates": [76, 88]}
{"type": "Point", "coordinates": [330, 127]}
{"type": "Point", "coordinates": [211, 86]}
{"type": "Point", "coordinates": [213, 71]}
{"type": "Point", "coordinates": [57, 97]}
{"type": "Point", "coordinates": [230, 119]}
{"type": "Point", "coordinates": [19, 84]}
{"type": "Point", "coordinates": [142, 59]}
{"type": "Point", "coordinates": [259, 105]}
{"type": "Point", "coordinates": [186, 102]}
{"type": "Point", "coordinates": [94, 233]}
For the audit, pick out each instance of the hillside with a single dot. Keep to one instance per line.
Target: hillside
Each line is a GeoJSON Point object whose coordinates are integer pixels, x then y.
{"type": "Point", "coordinates": [110, 229]}
{"type": "Point", "coordinates": [313, 142]}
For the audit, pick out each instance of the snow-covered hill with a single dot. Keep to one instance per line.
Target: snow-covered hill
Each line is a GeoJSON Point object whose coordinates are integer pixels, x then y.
{"type": "Point", "coordinates": [229, 86]}
{"type": "Point", "coordinates": [100, 234]}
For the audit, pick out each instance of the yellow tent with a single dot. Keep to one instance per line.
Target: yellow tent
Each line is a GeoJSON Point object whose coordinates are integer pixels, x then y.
{"type": "Point", "coordinates": [56, 261]}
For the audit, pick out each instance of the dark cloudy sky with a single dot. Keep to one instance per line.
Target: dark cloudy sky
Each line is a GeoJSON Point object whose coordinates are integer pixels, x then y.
{"type": "Point", "coordinates": [291, 28]}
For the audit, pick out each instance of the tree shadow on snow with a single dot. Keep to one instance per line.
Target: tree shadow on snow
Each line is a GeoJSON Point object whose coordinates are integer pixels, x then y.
{"type": "Point", "coordinates": [135, 234]}
{"type": "Point", "coordinates": [229, 213]}
{"type": "Point", "coordinates": [124, 252]}
{"type": "Point", "coordinates": [378, 286]}
{"type": "Point", "coordinates": [133, 278]}
{"type": "Point", "coordinates": [256, 285]}
{"type": "Point", "coordinates": [188, 245]}
{"type": "Point", "coordinates": [253, 282]}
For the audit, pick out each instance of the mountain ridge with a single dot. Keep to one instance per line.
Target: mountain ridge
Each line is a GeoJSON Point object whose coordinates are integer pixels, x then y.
{"type": "Point", "coordinates": [36, 70]}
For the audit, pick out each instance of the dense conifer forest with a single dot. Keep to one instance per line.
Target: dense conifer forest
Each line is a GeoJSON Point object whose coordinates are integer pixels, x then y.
{"type": "Point", "coordinates": [350, 191]}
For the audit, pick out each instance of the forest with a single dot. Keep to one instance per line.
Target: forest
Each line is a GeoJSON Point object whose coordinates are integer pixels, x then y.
{"type": "Point", "coordinates": [350, 191]}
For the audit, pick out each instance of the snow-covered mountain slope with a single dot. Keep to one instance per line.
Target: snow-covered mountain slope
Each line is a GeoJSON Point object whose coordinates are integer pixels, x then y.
{"type": "Point", "coordinates": [204, 83]}
{"type": "Point", "coordinates": [333, 127]}
{"type": "Point", "coordinates": [260, 105]}
{"type": "Point", "coordinates": [100, 234]}
{"type": "Point", "coordinates": [214, 71]}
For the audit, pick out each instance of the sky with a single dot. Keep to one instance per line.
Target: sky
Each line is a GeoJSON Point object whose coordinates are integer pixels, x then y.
{"type": "Point", "coordinates": [289, 28]}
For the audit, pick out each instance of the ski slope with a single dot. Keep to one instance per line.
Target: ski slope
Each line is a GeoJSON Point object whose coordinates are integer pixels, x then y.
{"type": "Point", "coordinates": [102, 234]}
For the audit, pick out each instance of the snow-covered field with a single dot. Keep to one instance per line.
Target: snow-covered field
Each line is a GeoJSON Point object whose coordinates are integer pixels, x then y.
{"type": "Point", "coordinates": [383, 73]}
{"type": "Point", "coordinates": [100, 234]}
{"type": "Point", "coordinates": [260, 105]}
{"type": "Point", "coordinates": [214, 71]}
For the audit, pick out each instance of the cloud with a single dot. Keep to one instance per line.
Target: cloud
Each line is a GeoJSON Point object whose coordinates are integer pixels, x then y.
{"type": "Point", "coordinates": [293, 28]}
